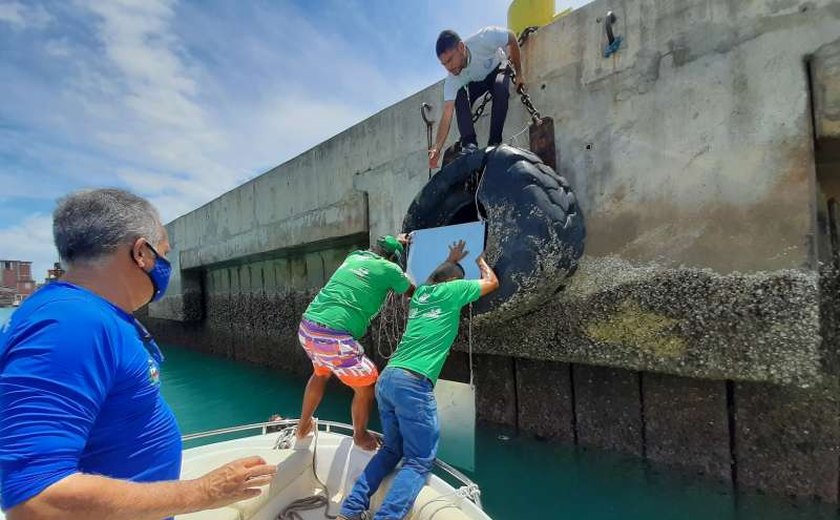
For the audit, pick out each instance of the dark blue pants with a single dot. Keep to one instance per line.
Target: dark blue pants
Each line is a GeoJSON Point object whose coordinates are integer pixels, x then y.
{"type": "Point", "coordinates": [498, 83]}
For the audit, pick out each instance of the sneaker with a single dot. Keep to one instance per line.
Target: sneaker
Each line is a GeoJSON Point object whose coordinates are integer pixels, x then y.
{"type": "Point", "coordinates": [467, 149]}
{"type": "Point", "coordinates": [365, 515]}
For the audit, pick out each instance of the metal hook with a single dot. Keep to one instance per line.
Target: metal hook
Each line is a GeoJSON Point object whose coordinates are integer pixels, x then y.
{"type": "Point", "coordinates": [610, 19]}
{"type": "Point", "coordinates": [613, 41]}
{"type": "Point", "coordinates": [425, 108]}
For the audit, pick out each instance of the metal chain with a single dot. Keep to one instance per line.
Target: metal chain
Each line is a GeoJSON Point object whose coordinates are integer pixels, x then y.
{"type": "Point", "coordinates": [526, 99]}
{"type": "Point", "coordinates": [480, 109]}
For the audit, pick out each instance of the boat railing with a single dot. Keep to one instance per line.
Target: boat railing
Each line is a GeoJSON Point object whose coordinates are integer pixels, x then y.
{"type": "Point", "coordinates": [326, 426]}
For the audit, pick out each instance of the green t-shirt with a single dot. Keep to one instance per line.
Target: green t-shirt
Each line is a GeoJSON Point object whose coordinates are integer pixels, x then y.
{"type": "Point", "coordinates": [355, 292]}
{"type": "Point", "coordinates": [433, 318]}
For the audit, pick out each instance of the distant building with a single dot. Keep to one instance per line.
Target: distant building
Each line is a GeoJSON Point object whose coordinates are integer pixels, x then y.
{"type": "Point", "coordinates": [54, 274]}
{"type": "Point", "coordinates": [7, 297]}
{"type": "Point", "coordinates": [16, 280]}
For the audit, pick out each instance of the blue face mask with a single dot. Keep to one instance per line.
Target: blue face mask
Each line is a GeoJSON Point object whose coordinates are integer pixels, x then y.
{"type": "Point", "coordinates": [159, 275]}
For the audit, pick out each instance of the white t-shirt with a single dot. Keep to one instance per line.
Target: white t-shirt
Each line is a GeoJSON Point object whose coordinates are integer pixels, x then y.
{"type": "Point", "coordinates": [486, 53]}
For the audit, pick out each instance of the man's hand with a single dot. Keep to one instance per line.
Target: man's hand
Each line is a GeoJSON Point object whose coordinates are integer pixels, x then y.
{"type": "Point", "coordinates": [442, 132]}
{"type": "Point", "coordinates": [404, 239]}
{"type": "Point", "coordinates": [434, 157]}
{"type": "Point", "coordinates": [103, 498]}
{"type": "Point", "coordinates": [520, 84]}
{"type": "Point", "coordinates": [235, 481]}
{"type": "Point", "coordinates": [456, 252]}
{"type": "Point", "coordinates": [489, 282]}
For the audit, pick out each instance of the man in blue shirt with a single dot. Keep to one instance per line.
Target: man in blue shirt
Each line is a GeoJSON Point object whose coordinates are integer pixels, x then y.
{"type": "Point", "coordinates": [476, 65]}
{"type": "Point", "coordinates": [84, 431]}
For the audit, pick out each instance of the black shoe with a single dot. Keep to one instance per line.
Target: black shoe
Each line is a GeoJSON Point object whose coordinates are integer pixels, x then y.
{"type": "Point", "coordinates": [361, 516]}
{"type": "Point", "coordinates": [467, 149]}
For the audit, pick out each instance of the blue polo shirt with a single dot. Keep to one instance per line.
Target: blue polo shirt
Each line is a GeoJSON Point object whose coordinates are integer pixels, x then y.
{"type": "Point", "coordinates": [80, 392]}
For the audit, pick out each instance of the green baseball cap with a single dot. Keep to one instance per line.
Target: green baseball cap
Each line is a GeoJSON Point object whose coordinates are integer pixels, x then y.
{"type": "Point", "coordinates": [391, 245]}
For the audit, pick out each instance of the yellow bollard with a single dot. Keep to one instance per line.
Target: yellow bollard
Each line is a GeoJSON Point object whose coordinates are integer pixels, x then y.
{"type": "Point", "coordinates": [532, 13]}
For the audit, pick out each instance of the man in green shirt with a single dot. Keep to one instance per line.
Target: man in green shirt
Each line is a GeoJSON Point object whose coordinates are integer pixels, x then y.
{"type": "Point", "coordinates": [337, 319]}
{"type": "Point", "coordinates": [405, 391]}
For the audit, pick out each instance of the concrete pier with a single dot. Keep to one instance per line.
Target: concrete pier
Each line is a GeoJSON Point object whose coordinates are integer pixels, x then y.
{"type": "Point", "coordinates": [701, 328]}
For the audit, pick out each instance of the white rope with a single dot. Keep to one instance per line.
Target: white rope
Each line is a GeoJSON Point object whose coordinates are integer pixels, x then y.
{"type": "Point", "coordinates": [470, 492]}
{"type": "Point", "coordinates": [477, 191]}
{"type": "Point", "coordinates": [379, 340]}
{"type": "Point", "coordinates": [390, 323]}
{"type": "Point", "coordinates": [292, 511]}
{"type": "Point", "coordinates": [470, 342]}
{"type": "Point", "coordinates": [285, 441]}
{"type": "Point", "coordinates": [514, 139]}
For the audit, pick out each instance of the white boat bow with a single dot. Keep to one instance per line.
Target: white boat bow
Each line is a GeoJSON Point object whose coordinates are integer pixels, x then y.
{"type": "Point", "coordinates": [323, 465]}
{"type": "Point", "coordinates": [326, 465]}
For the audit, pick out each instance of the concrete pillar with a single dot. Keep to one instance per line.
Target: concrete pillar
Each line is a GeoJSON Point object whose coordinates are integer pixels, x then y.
{"type": "Point", "coordinates": [333, 258]}
{"type": "Point", "coordinates": [236, 316]}
{"type": "Point", "coordinates": [608, 408]}
{"type": "Point", "coordinates": [314, 270]}
{"type": "Point", "coordinates": [270, 285]}
{"type": "Point", "coordinates": [544, 397]}
{"type": "Point", "coordinates": [283, 273]}
{"type": "Point", "coordinates": [217, 312]}
{"type": "Point", "coordinates": [686, 424]}
{"type": "Point", "coordinates": [457, 367]}
{"type": "Point", "coordinates": [495, 390]}
{"type": "Point", "coordinates": [192, 295]}
{"type": "Point", "coordinates": [298, 273]}
{"type": "Point", "coordinates": [786, 440]}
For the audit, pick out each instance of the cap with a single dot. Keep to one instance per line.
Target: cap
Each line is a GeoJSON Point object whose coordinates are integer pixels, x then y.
{"type": "Point", "coordinates": [392, 246]}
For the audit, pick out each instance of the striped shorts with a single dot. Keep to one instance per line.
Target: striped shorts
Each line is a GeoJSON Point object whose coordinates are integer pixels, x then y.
{"type": "Point", "coordinates": [336, 352]}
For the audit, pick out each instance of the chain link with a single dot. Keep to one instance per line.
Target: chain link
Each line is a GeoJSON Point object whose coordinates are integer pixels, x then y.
{"type": "Point", "coordinates": [525, 98]}
{"type": "Point", "coordinates": [480, 109]}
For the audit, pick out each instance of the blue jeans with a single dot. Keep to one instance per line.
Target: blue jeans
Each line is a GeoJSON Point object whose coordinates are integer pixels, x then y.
{"type": "Point", "coordinates": [410, 424]}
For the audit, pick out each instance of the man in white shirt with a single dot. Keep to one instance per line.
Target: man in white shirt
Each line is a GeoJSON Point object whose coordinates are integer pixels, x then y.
{"type": "Point", "coordinates": [476, 65]}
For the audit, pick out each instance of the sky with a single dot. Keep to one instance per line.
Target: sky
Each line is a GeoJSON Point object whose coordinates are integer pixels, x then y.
{"type": "Point", "coordinates": [181, 101]}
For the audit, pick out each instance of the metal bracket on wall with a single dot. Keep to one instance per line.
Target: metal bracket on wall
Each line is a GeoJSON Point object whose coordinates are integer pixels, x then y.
{"type": "Point", "coordinates": [541, 140]}
{"type": "Point", "coordinates": [613, 41]}
{"type": "Point", "coordinates": [425, 108]}
{"type": "Point", "coordinates": [834, 229]}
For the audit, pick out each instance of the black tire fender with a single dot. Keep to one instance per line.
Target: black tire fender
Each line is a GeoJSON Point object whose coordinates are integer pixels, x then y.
{"type": "Point", "coordinates": [535, 228]}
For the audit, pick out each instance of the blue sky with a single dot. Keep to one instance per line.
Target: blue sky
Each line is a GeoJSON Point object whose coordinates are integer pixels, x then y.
{"type": "Point", "coordinates": [180, 101]}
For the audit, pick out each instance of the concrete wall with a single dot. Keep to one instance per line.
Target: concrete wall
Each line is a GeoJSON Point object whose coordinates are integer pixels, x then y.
{"type": "Point", "coordinates": [704, 155]}
{"type": "Point", "coordinates": [748, 435]}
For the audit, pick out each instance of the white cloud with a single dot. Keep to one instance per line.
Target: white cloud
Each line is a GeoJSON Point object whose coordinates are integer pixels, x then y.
{"type": "Point", "coordinates": [58, 48]}
{"type": "Point", "coordinates": [188, 136]}
{"type": "Point", "coordinates": [148, 84]}
{"type": "Point", "coordinates": [24, 17]}
{"type": "Point", "coordinates": [183, 101]}
{"type": "Point", "coordinates": [12, 13]}
{"type": "Point", "coordinates": [31, 240]}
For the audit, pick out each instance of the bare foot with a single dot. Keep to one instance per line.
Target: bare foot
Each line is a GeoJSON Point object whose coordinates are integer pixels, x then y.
{"type": "Point", "coordinates": [303, 429]}
{"type": "Point", "coordinates": [366, 441]}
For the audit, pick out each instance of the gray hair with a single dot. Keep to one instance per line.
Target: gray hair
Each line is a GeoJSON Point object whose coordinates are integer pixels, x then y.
{"type": "Point", "coordinates": [90, 225]}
